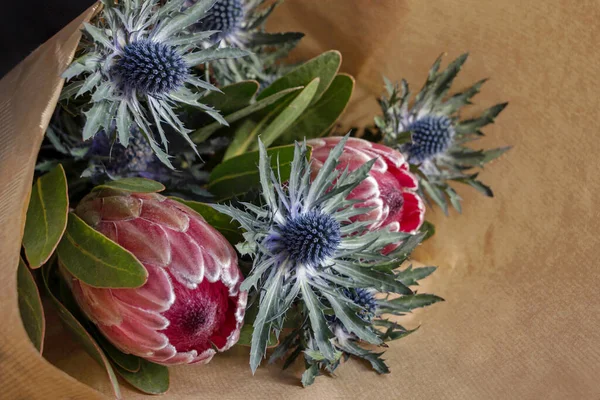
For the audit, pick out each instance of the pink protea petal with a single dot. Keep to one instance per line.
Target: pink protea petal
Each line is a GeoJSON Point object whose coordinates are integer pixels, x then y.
{"type": "Point", "coordinates": [187, 263]}
{"type": "Point", "coordinates": [151, 319]}
{"type": "Point", "coordinates": [204, 357]}
{"type": "Point", "coordinates": [98, 304]}
{"type": "Point", "coordinates": [414, 213]}
{"type": "Point", "coordinates": [390, 188]}
{"type": "Point", "coordinates": [134, 338]}
{"type": "Point", "coordinates": [163, 355]}
{"type": "Point", "coordinates": [156, 295]}
{"type": "Point", "coordinates": [146, 240]}
{"type": "Point", "coordinates": [164, 215]}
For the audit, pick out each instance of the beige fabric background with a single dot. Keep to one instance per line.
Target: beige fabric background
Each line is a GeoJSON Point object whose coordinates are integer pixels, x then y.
{"type": "Point", "coordinates": [519, 272]}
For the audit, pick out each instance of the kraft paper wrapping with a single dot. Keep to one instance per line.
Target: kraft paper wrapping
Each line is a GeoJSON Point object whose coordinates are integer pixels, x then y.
{"type": "Point", "coordinates": [519, 272]}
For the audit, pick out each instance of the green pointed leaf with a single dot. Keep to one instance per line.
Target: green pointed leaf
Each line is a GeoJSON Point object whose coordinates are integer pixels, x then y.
{"type": "Point", "coordinates": [81, 335]}
{"type": "Point", "coordinates": [436, 194]}
{"type": "Point", "coordinates": [410, 276]}
{"type": "Point", "coordinates": [212, 54]}
{"type": "Point", "coordinates": [324, 66]}
{"type": "Point", "coordinates": [246, 337]}
{"type": "Point", "coordinates": [134, 185]}
{"type": "Point", "coordinates": [317, 321]}
{"type": "Point", "coordinates": [351, 320]}
{"type": "Point", "coordinates": [30, 306]}
{"type": "Point", "coordinates": [46, 216]}
{"type": "Point", "coordinates": [94, 119]}
{"type": "Point", "coordinates": [482, 188]}
{"type": "Point", "coordinates": [492, 154]}
{"type": "Point", "coordinates": [429, 230]}
{"type": "Point", "coordinates": [128, 362]}
{"type": "Point", "coordinates": [96, 260]}
{"type": "Point", "coordinates": [270, 39]}
{"type": "Point", "coordinates": [151, 378]}
{"type": "Point", "coordinates": [289, 114]}
{"type": "Point", "coordinates": [221, 222]}
{"type": "Point", "coordinates": [367, 277]}
{"type": "Point", "coordinates": [487, 117]}
{"type": "Point", "coordinates": [239, 175]}
{"type": "Point", "coordinates": [308, 377]}
{"type": "Point", "coordinates": [373, 358]}
{"type": "Point", "coordinates": [182, 20]}
{"type": "Point", "coordinates": [321, 116]}
{"type": "Point", "coordinates": [202, 134]}
{"type": "Point", "coordinates": [410, 302]}
{"type": "Point", "coordinates": [233, 97]}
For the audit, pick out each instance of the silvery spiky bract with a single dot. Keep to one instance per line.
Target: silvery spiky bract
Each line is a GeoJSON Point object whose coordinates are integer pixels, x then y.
{"type": "Point", "coordinates": [311, 254]}
{"type": "Point", "coordinates": [241, 24]}
{"type": "Point", "coordinates": [137, 64]}
{"type": "Point", "coordinates": [433, 136]}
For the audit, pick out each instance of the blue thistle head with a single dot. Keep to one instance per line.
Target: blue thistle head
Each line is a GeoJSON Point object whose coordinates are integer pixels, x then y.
{"type": "Point", "coordinates": [307, 238]}
{"type": "Point", "coordinates": [150, 68]}
{"type": "Point", "coordinates": [365, 299]}
{"type": "Point", "coordinates": [225, 16]}
{"type": "Point", "coordinates": [431, 135]}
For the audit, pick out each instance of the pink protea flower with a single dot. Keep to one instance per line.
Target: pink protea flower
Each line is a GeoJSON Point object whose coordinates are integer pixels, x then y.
{"type": "Point", "coordinates": [390, 189]}
{"type": "Point", "coordinates": [191, 306]}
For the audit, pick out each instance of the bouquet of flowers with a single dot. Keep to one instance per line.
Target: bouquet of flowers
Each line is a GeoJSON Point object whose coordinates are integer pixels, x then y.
{"type": "Point", "coordinates": [194, 193]}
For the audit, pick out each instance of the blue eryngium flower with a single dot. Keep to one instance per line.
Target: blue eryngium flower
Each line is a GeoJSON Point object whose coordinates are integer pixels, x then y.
{"type": "Point", "coordinates": [226, 16]}
{"type": "Point", "coordinates": [431, 135]}
{"type": "Point", "coordinates": [308, 249]}
{"type": "Point", "coordinates": [137, 63]}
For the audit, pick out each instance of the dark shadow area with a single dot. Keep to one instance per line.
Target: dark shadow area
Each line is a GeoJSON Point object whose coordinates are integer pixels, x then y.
{"type": "Point", "coordinates": [26, 24]}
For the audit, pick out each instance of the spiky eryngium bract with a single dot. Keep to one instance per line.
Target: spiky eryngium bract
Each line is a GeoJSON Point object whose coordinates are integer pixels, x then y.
{"type": "Point", "coordinates": [241, 24]}
{"type": "Point", "coordinates": [433, 136]}
{"type": "Point", "coordinates": [310, 254]}
{"type": "Point", "coordinates": [137, 60]}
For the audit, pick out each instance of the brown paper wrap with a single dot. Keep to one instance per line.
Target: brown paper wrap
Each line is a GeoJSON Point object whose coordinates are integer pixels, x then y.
{"type": "Point", "coordinates": [519, 272]}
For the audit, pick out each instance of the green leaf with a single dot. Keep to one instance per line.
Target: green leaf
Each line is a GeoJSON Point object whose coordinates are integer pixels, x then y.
{"type": "Point", "coordinates": [351, 320]}
{"type": "Point", "coordinates": [271, 39]}
{"type": "Point", "coordinates": [428, 228]}
{"type": "Point", "coordinates": [233, 97]}
{"type": "Point", "coordinates": [289, 114]}
{"type": "Point", "coordinates": [81, 335]}
{"type": "Point", "coordinates": [487, 117]}
{"type": "Point", "coordinates": [221, 222]}
{"type": "Point", "coordinates": [317, 321]}
{"type": "Point", "coordinates": [324, 66]}
{"type": "Point", "coordinates": [492, 154]}
{"type": "Point", "coordinates": [135, 185]}
{"type": "Point", "coordinates": [246, 337]}
{"type": "Point", "coordinates": [436, 194]}
{"type": "Point", "coordinates": [94, 119]}
{"type": "Point", "coordinates": [481, 187]}
{"type": "Point", "coordinates": [239, 175]}
{"type": "Point", "coordinates": [308, 377]}
{"type": "Point", "coordinates": [46, 216]}
{"type": "Point", "coordinates": [96, 260]}
{"type": "Point", "coordinates": [318, 119]}
{"type": "Point", "coordinates": [410, 276]}
{"type": "Point", "coordinates": [151, 378]}
{"type": "Point", "coordinates": [202, 134]}
{"type": "Point", "coordinates": [30, 306]}
{"type": "Point", "coordinates": [454, 198]}
{"type": "Point", "coordinates": [367, 277]}
{"type": "Point", "coordinates": [410, 302]}
{"type": "Point", "coordinates": [128, 362]}
{"type": "Point", "coordinates": [213, 54]}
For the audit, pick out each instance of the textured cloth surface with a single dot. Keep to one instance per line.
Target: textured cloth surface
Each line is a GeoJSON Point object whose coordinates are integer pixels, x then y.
{"type": "Point", "coordinates": [519, 272]}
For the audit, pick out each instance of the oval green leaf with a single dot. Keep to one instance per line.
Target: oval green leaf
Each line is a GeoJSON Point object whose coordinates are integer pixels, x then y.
{"type": "Point", "coordinates": [239, 175]}
{"type": "Point", "coordinates": [324, 66]}
{"type": "Point", "coordinates": [202, 134]}
{"type": "Point", "coordinates": [321, 116]}
{"type": "Point", "coordinates": [151, 378]}
{"type": "Point", "coordinates": [30, 306]}
{"type": "Point", "coordinates": [221, 222]}
{"type": "Point", "coordinates": [128, 362]}
{"type": "Point", "coordinates": [96, 260]}
{"type": "Point", "coordinates": [46, 216]}
{"type": "Point", "coordinates": [82, 335]}
{"type": "Point", "coordinates": [234, 97]}
{"type": "Point", "coordinates": [287, 117]}
{"type": "Point", "coordinates": [134, 185]}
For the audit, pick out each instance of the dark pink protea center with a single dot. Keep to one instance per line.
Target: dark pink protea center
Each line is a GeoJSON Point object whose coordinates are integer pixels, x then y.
{"type": "Point", "coordinates": [200, 317]}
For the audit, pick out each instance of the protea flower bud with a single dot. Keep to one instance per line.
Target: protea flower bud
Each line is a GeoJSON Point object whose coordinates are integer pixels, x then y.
{"type": "Point", "coordinates": [390, 189]}
{"type": "Point", "coordinates": [191, 306]}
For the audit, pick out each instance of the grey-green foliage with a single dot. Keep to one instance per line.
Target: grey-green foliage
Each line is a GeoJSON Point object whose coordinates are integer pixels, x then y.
{"type": "Point", "coordinates": [459, 161]}
{"type": "Point", "coordinates": [110, 107]}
